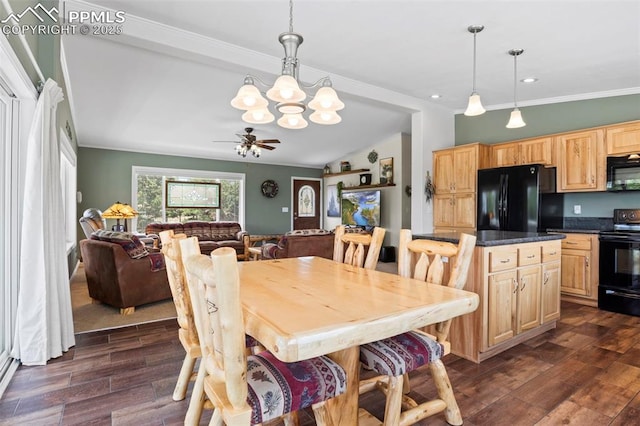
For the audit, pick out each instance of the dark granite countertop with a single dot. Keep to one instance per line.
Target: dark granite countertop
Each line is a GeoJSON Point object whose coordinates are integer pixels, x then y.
{"type": "Point", "coordinates": [493, 238]}
{"type": "Point", "coordinates": [575, 231]}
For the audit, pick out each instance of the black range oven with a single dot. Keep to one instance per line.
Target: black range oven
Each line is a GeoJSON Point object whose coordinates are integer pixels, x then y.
{"type": "Point", "coordinates": [619, 287]}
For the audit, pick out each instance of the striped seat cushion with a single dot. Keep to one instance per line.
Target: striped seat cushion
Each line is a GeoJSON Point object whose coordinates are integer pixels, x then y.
{"type": "Point", "coordinates": [400, 354]}
{"type": "Point", "coordinates": [277, 388]}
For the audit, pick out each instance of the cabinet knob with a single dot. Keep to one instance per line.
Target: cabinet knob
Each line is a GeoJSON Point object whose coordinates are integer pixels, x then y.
{"type": "Point", "coordinates": [586, 261]}
{"type": "Point", "coordinates": [515, 286]}
{"type": "Point", "coordinates": [546, 278]}
{"type": "Point", "coordinates": [524, 283]}
{"type": "Point", "coordinates": [593, 179]}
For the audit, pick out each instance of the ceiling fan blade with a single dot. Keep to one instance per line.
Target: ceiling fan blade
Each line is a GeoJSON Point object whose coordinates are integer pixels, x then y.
{"type": "Point", "coordinates": [267, 147]}
{"type": "Point", "coordinates": [268, 141]}
{"type": "Point", "coordinates": [225, 142]}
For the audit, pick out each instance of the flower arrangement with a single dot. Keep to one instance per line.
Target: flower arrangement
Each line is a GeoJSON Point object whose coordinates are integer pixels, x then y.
{"type": "Point", "coordinates": [429, 188]}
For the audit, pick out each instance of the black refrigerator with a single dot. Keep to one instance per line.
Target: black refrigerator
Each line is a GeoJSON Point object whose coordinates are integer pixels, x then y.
{"type": "Point", "coordinates": [519, 198]}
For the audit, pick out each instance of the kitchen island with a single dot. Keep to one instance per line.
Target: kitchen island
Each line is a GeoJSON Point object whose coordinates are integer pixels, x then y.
{"type": "Point", "coordinates": [517, 277]}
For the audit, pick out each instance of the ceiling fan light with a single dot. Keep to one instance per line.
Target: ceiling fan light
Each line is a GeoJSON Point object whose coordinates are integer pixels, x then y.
{"type": "Point", "coordinates": [286, 89]}
{"type": "Point", "coordinates": [326, 99]}
{"type": "Point", "coordinates": [475, 106]}
{"type": "Point", "coordinates": [292, 121]}
{"type": "Point", "coordinates": [249, 97]}
{"type": "Point", "coordinates": [258, 116]}
{"type": "Point", "coordinates": [325, 117]}
{"type": "Point", "coordinates": [516, 121]}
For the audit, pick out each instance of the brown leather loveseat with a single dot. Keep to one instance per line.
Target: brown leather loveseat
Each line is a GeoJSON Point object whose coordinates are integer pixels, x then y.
{"type": "Point", "coordinates": [211, 235]}
{"type": "Point", "coordinates": [121, 272]}
{"type": "Point", "coordinates": [304, 242]}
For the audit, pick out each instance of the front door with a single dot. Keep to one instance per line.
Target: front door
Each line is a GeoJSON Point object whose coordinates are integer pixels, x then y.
{"type": "Point", "coordinates": [306, 204]}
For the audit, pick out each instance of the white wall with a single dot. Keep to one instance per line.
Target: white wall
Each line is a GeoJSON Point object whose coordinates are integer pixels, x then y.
{"type": "Point", "coordinates": [392, 198]}
{"type": "Point", "coordinates": [432, 128]}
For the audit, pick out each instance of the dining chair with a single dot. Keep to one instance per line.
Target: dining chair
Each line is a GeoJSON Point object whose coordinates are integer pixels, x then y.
{"type": "Point", "coordinates": [187, 333]}
{"type": "Point", "coordinates": [247, 389]}
{"type": "Point", "coordinates": [356, 243]}
{"type": "Point", "coordinates": [395, 357]}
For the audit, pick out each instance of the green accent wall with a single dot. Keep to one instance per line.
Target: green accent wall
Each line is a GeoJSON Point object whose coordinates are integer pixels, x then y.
{"type": "Point", "coordinates": [548, 119]}
{"type": "Point", "coordinates": [104, 177]}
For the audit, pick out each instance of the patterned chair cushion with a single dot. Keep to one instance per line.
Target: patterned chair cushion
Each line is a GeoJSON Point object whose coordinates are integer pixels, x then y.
{"type": "Point", "coordinates": [400, 354]}
{"type": "Point", "coordinates": [277, 388]}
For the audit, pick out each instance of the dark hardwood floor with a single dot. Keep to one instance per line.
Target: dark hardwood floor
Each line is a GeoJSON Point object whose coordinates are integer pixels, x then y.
{"type": "Point", "coordinates": [585, 372]}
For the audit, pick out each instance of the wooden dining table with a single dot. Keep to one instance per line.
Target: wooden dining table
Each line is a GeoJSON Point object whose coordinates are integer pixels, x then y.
{"type": "Point", "coordinates": [300, 308]}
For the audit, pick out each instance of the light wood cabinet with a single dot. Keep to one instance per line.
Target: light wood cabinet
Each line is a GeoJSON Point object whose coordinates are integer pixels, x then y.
{"type": "Point", "coordinates": [456, 169]}
{"type": "Point", "coordinates": [581, 161]}
{"type": "Point", "coordinates": [580, 272]}
{"type": "Point", "coordinates": [530, 151]}
{"type": "Point", "coordinates": [454, 210]}
{"type": "Point", "coordinates": [623, 139]}
{"type": "Point", "coordinates": [519, 289]}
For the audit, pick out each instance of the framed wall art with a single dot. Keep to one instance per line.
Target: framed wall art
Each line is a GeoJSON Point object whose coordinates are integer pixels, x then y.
{"type": "Point", "coordinates": [386, 170]}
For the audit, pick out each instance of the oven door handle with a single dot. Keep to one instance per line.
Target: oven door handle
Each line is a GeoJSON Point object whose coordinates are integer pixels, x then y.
{"type": "Point", "coordinates": [621, 294]}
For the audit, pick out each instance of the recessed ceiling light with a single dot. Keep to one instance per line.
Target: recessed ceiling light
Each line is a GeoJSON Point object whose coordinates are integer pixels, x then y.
{"type": "Point", "coordinates": [435, 96]}
{"type": "Point", "coordinates": [529, 80]}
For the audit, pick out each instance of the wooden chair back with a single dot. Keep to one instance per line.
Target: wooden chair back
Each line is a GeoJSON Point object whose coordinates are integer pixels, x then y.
{"type": "Point", "coordinates": [214, 284]}
{"type": "Point", "coordinates": [356, 243]}
{"type": "Point", "coordinates": [424, 260]}
{"type": "Point", "coordinates": [180, 291]}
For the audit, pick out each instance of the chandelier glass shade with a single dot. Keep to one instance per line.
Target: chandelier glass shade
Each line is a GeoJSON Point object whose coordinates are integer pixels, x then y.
{"type": "Point", "coordinates": [287, 92]}
{"type": "Point", "coordinates": [515, 120]}
{"type": "Point", "coordinates": [475, 105]}
{"type": "Point", "coordinates": [244, 148]}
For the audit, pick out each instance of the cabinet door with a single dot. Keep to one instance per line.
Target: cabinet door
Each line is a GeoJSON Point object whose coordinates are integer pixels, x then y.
{"type": "Point", "coordinates": [528, 298]}
{"type": "Point", "coordinates": [465, 162]}
{"type": "Point", "coordinates": [576, 272]}
{"type": "Point", "coordinates": [623, 139]}
{"type": "Point", "coordinates": [443, 171]}
{"type": "Point", "coordinates": [443, 209]}
{"type": "Point", "coordinates": [502, 297]}
{"type": "Point", "coordinates": [537, 151]}
{"type": "Point", "coordinates": [550, 292]}
{"type": "Point", "coordinates": [464, 206]}
{"type": "Point", "coordinates": [506, 154]}
{"type": "Point", "coordinates": [581, 161]}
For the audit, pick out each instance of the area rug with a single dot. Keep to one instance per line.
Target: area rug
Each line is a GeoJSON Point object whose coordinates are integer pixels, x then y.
{"type": "Point", "coordinates": [88, 316]}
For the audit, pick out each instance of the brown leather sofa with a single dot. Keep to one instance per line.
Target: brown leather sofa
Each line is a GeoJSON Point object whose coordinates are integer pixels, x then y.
{"type": "Point", "coordinates": [307, 242]}
{"type": "Point", "coordinates": [117, 279]}
{"type": "Point", "coordinates": [211, 235]}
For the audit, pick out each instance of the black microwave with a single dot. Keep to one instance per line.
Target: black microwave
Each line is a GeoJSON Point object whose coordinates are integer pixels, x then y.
{"type": "Point", "coordinates": [623, 173]}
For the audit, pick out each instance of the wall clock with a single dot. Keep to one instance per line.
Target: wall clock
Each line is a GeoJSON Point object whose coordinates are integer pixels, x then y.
{"type": "Point", "coordinates": [269, 188]}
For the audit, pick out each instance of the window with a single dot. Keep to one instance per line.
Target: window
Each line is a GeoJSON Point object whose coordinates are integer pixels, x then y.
{"type": "Point", "coordinates": [149, 196]}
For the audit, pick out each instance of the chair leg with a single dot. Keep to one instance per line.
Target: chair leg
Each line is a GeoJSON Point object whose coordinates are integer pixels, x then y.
{"type": "Point", "coordinates": [445, 392]}
{"type": "Point", "coordinates": [186, 372]}
{"type": "Point", "coordinates": [196, 403]}
{"type": "Point", "coordinates": [322, 414]}
{"type": "Point", "coordinates": [393, 406]}
{"type": "Point", "coordinates": [127, 311]}
{"type": "Point", "coordinates": [216, 419]}
{"type": "Point", "coordinates": [291, 419]}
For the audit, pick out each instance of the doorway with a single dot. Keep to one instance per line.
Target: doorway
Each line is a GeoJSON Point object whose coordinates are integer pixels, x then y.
{"type": "Point", "coordinates": [307, 200]}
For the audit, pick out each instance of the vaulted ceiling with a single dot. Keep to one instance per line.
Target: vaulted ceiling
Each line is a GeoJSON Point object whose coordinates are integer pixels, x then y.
{"type": "Point", "coordinates": [164, 85]}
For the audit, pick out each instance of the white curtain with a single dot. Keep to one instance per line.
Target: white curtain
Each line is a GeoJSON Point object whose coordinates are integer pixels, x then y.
{"type": "Point", "coordinates": [44, 325]}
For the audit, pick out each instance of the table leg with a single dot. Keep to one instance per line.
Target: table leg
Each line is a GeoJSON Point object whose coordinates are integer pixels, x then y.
{"type": "Point", "coordinates": [344, 408]}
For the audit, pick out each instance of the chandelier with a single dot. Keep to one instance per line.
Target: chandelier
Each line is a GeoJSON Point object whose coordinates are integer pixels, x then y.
{"type": "Point", "coordinates": [288, 93]}
{"type": "Point", "coordinates": [243, 148]}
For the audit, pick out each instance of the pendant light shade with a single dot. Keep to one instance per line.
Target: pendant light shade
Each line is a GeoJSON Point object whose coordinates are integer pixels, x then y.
{"type": "Point", "coordinates": [249, 97]}
{"type": "Point", "coordinates": [292, 121]}
{"type": "Point", "coordinates": [515, 120]}
{"type": "Point", "coordinates": [325, 117]}
{"type": "Point", "coordinates": [475, 105]}
{"type": "Point", "coordinates": [258, 116]}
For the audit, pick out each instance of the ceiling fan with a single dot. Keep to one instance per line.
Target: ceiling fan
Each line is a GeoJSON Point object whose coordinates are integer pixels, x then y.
{"type": "Point", "coordinates": [249, 143]}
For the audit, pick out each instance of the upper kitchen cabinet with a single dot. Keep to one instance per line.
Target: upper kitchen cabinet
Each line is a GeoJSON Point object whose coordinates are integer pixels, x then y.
{"type": "Point", "coordinates": [581, 161]}
{"type": "Point", "coordinates": [623, 139]}
{"type": "Point", "coordinates": [530, 151]}
{"type": "Point", "coordinates": [455, 169]}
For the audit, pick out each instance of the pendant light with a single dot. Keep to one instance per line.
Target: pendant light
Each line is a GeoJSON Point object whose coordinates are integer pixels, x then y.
{"type": "Point", "coordinates": [515, 120]}
{"type": "Point", "coordinates": [475, 106]}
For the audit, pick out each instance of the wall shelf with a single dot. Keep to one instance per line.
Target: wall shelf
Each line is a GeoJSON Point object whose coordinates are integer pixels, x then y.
{"type": "Point", "coordinates": [350, 172]}
{"type": "Point", "coordinates": [378, 185]}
